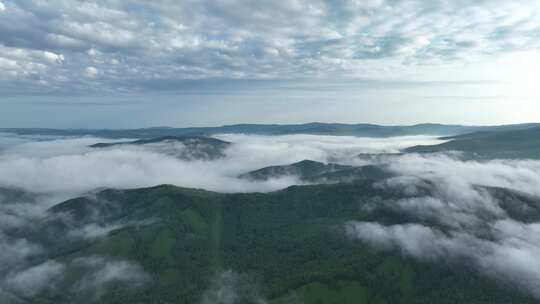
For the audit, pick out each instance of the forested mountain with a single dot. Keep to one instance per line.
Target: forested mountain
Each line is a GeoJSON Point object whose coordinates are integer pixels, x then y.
{"type": "Point", "coordinates": [317, 172]}
{"type": "Point", "coordinates": [398, 227]}
{"type": "Point", "coordinates": [191, 147]}
{"type": "Point", "coordinates": [523, 143]}
{"type": "Point", "coordinates": [187, 246]}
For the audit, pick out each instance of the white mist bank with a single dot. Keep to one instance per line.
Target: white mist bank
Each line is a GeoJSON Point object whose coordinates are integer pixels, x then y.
{"type": "Point", "coordinates": [69, 165]}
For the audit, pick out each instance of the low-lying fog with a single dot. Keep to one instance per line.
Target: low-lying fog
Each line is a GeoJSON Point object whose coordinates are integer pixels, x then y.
{"type": "Point", "coordinates": [69, 165]}
{"type": "Point", "coordinates": [59, 168]}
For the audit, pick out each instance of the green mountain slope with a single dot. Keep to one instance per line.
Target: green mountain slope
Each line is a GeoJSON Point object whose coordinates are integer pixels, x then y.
{"type": "Point", "coordinates": [317, 172]}
{"type": "Point", "coordinates": [192, 147]}
{"type": "Point", "coordinates": [283, 247]}
{"type": "Point", "coordinates": [491, 145]}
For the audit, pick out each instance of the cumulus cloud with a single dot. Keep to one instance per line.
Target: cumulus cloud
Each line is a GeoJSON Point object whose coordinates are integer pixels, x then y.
{"type": "Point", "coordinates": [91, 72]}
{"type": "Point", "coordinates": [53, 58]}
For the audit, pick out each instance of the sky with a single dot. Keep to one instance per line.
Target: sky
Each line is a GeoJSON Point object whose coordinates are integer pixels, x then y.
{"type": "Point", "coordinates": [129, 63]}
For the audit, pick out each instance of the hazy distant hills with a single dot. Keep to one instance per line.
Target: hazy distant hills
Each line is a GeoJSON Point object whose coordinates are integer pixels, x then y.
{"type": "Point", "coordinates": [366, 130]}
{"type": "Point", "coordinates": [192, 147]}
{"type": "Point", "coordinates": [285, 247]}
{"type": "Point", "coordinates": [504, 142]}
{"type": "Point", "coordinates": [510, 141]}
{"type": "Point", "coordinates": [522, 143]}
{"type": "Point", "coordinates": [317, 172]}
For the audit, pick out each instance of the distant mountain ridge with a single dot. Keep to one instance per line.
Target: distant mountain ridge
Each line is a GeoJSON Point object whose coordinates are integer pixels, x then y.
{"type": "Point", "coordinates": [182, 139]}
{"type": "Point", "coordinates": [504, 144]}
{"type": "Point", "coordinates": [314, 128]}
{"type": "Point", "coordinates": [193, 147]}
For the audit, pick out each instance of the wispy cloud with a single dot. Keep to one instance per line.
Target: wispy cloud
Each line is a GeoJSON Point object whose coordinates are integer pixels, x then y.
{"type": "Point", "coordinates": [457, 214]}
{"type": "Point", "coordinates": [229, 287]}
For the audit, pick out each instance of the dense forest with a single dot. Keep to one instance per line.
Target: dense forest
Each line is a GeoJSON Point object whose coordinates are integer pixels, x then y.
{"type": "Point", "coordinates": [289, 246]}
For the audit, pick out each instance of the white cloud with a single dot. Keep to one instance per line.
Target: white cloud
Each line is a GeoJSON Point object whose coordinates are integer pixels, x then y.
{"type": "Point", "coordinates": [13, 251]}
{"type": "Point", "coordinates": [2, 7]}
{"type": "Point", "coordinates": [93, 231]}
{"type": "Point", "coordinates": [93, 52]}
{"type": "Point", "coordinates": [289, 39]}
{"type": "Point", "coordinates": [457, 175]}
{"type": "Point", "coordinates": [56, 166]}
{"type": "Point", "coordinates": [96, 272]}
{"type": "Point", "coordinates": [100, 32]}
{"type": "Point", "coordinates": [53, 58]}
{"type": "Point", "coordinates": [413, 239]}
{"type": "Point", "coordinates": [34, 280]}
{"type": "Point", "coordinates": [450, 194]}
{"type": "Point", "coordinates": [64, 42]}
{"type": "Point", "coordinates": [100, 271]}
{"type": "Point", "coordinates": [8, 63]}
{"type": "Point", "coordinates": [91, 72]}
{"type": "Point", "coordinates": [510, 258]}
{"type": "Point", "coordinates": [229, 287]}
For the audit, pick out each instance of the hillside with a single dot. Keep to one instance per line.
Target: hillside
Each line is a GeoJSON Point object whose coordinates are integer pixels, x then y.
{"type": "Point", "coordinates": [523, 143]}
{"type": "Point", "coordinates": [283, 247]}
{"type": "Point", "coordinates": [191, 147]}
{"type": "Point", "coordinates": [317, 172]}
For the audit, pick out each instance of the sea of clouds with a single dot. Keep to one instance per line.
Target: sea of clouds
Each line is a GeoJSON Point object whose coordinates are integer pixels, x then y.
{"type": "Point", "coordinates": [477, 228]}
{"type": "Point", "coordinates": [69, 165]}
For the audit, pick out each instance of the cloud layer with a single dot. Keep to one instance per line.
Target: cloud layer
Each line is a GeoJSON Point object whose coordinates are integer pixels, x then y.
{"type": "Point", "coordinates": [70, 166]}
{"type": "Point", "coordinates": [140, 45]}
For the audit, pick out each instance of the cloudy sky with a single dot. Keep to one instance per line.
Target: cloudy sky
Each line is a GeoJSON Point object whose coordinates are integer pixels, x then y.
{"type": "Point", "coordinates": [132, 63]}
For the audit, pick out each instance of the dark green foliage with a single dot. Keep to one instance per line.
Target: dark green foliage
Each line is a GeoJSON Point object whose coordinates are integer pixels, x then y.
{"type": "Point", "coordinates": [289, 245]}
{"type": "Point", "coordinates": [312, 171]}
{"type": "Point", "coordinates": [305, 169]}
